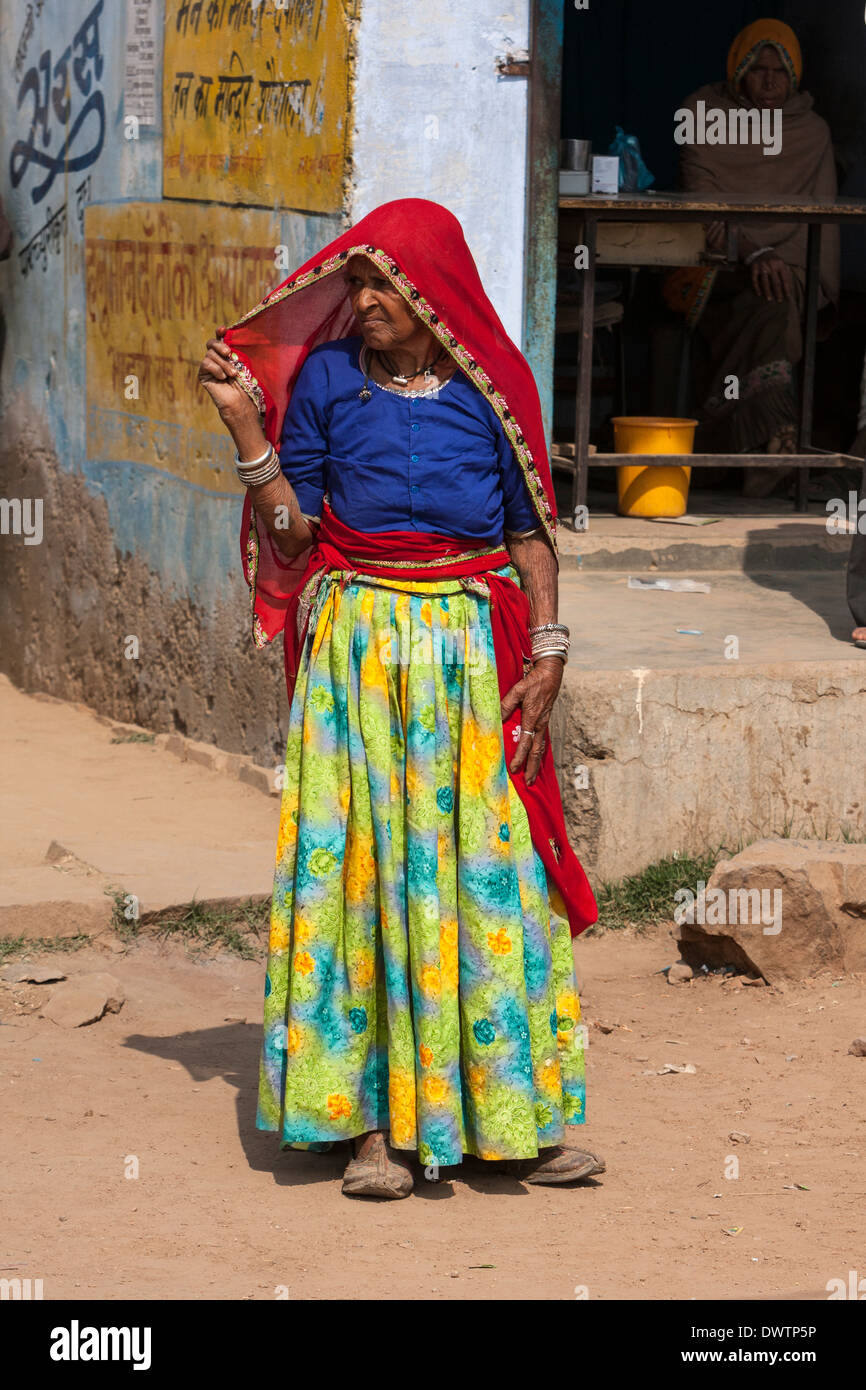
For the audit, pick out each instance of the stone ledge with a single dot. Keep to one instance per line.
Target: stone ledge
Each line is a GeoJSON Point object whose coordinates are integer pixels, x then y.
{"type": "Point", "coordinates": [234, 765]}
{"type": "Point", "coordinates": [56, 917]}
{"type": "Point", "coordinates": [656, 761]}
{"type": "Point", "coordinates": [722, 554]}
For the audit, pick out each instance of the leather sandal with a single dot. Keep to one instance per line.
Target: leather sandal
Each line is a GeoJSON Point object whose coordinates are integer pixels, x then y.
{"type": "Point", "coordinates": [557, 1165]}
{"type": "Point", "coordinates": [377, 1174]}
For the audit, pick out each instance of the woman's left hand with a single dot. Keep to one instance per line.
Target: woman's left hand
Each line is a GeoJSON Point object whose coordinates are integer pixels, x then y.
{"type": "Point", "coordinates": [771, 278]}
{"type": "Point", "coordinates": [536, 695]}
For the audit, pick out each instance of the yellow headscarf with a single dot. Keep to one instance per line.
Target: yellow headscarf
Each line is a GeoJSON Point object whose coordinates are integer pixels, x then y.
{"type": "Point", "coordinates": [748, 44]}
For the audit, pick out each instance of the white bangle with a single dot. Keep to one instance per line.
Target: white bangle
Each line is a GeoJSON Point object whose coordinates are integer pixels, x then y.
{"type": "Point", "coordinates": [762, 251]}
{"type": "Point", "coordinates": [521, 535]}
{"type": "Point", "coordinates": [251, 463]}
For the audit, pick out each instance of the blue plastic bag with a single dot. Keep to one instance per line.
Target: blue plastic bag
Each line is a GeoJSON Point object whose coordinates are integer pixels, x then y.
{"type": "Point", "coordinates": [634, 176]}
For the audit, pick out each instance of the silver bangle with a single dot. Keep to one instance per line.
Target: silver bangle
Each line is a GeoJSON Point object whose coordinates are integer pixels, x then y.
{"type": "Point", "coordinates": [253, 463]}
{"type": "Point", "coordinates": [251, 469]}
{"type": "Point", "coordinates": [257, 479]}
{"type": "Point", "coordinates": [554, 647]}
{"type": "Point", "coordinates": [255, 474]}
{"type": "Point", "coordinates": [550, 627]}
{"type": "Point", "coordinates": [260, 480]}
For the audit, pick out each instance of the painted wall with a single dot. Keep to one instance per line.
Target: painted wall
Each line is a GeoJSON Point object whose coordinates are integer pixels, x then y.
{"type": "Point", "coordinates": [435, 120]}
{"type": "Point", "coordinates": [273, 77]}
{"type": "Point", "coordinates": [145, 211]}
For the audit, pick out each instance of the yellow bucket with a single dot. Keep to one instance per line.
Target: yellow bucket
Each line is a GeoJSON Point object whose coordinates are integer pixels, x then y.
{"type": "Point", "coordinates": [652, 491]}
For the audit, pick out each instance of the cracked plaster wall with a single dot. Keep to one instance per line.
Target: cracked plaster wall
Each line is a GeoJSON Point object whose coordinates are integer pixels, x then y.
{"type": "Point", "coordinates": [686, 761]}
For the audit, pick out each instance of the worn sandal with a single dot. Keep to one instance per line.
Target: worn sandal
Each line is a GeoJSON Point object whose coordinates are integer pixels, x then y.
{"type": "Point", "coordinates": [377, 1174]}
{"type": "Point", "coordinates": [557, 1165]}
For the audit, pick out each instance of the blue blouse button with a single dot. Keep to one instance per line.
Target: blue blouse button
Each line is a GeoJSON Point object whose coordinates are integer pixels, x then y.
{"type": "Point", "coordinates": [415, 425]}
{"type": "Point", "coordinates": [414, 458]}
{"type": "Point", "coordinates": [413, 487]}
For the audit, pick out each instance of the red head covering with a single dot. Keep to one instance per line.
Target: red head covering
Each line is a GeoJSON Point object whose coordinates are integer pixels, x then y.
{"type": "Point", "coordinates": [419, 246]}
{"type": "Point", "coordinates": [421, 249]}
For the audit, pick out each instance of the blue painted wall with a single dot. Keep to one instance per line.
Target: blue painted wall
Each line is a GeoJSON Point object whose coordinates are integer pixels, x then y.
{"type": "Point", "coordinates": [185, 535]}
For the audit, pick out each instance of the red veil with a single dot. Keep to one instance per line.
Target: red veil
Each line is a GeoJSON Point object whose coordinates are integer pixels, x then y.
{"type": "Point", "coordinates": [419, 246]}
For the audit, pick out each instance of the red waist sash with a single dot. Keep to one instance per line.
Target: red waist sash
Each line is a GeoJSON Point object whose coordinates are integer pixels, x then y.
{"type": "Point", "coordinates": [341, 547]}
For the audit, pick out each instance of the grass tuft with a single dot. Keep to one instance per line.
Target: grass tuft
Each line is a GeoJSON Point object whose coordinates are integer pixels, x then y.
{"type": "Point", "coordinates": [646, 899]}
{"type": "Point", "coordinates": [239, 929]}
{"type": "Point", "coordinates": [11, 946]}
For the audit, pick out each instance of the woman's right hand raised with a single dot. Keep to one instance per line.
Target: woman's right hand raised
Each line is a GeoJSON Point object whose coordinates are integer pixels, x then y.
{"type": "Point", "coordinates": [220, 378]}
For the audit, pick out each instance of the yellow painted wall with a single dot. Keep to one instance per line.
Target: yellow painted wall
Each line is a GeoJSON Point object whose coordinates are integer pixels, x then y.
{"type": "Point", "coordinates": [160, 277]}
{"type": "Point", "coordinates": [255, 102]}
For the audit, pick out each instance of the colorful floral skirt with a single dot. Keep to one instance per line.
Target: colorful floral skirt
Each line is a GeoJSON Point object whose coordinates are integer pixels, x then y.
{"type": "Point", "coordinates": [418, 980]}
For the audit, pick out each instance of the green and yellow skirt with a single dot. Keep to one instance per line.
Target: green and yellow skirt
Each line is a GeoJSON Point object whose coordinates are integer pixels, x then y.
{"type": "Point", "coordinates": [418, 980]}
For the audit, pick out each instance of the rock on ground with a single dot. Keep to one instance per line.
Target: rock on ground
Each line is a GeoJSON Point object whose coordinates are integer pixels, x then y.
{"type": "Point", "coordinates": [805, 907]}
{"type": "Point", "coordinates": [85, 999]}
{"type": "Point", "coordinates": [680, 973]}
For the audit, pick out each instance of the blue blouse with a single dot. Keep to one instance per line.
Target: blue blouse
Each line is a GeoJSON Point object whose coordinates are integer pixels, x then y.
{"type": "Point", "coordinates": [395, 462]}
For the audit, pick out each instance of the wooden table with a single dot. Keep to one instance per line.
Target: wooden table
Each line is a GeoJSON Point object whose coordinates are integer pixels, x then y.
{"type": "Point", "coordinates": [587, 212]}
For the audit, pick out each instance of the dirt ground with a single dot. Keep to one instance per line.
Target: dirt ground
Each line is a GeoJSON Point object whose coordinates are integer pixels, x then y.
{"type": "Point", "coordinates": [217, 1212]}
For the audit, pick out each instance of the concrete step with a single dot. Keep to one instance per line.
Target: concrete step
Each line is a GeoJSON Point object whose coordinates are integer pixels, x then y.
{"type": "Point", "coordinates": [774, 617]}
{"type": "Point", "coordinates": [761, 540]}
{"type": "Point", "coordinates": [750, 723]}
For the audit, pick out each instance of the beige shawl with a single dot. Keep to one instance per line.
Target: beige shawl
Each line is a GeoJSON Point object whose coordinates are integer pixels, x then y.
{"type": "Point", "coordinates": [804, 168]}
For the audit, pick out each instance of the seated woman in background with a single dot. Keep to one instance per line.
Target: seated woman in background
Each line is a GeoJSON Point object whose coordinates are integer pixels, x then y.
{"type": "Point", "coordinates": [751, 324]}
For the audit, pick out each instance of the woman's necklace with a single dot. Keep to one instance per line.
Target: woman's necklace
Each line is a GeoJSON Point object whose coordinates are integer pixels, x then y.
{"type": "Point", "coordinates": [432, 382]}
{"type": "Point", "coordinates": [403, 380]}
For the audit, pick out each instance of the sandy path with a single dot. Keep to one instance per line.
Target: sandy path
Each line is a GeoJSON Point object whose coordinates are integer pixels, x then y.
{"type": "Point", "coordinates": [217, 1212]}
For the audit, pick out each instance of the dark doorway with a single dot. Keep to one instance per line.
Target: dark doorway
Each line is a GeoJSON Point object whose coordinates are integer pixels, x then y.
{"type": "Point", "coordinates": [629, 63]}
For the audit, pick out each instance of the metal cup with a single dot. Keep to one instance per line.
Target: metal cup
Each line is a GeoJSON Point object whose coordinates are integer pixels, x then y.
{"type": "Point", "coordinates": [574, 154]}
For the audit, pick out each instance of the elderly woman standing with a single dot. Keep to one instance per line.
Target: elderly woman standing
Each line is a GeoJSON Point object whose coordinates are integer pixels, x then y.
{"type": "Point", "coordinates": [751, 325]}
{"type": "Point", "coordinates": [399, 528]}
